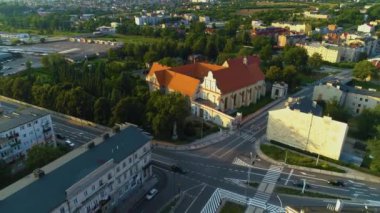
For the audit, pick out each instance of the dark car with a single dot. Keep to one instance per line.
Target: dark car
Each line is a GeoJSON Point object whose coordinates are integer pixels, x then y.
{"type": "Point", "coordinates": [300, 184]}
{"type": "Point", "coordinates": [59, 136]}
{"type": "Point", "coordinates": [337, 183]}
{"type": "Point", "coordinates": [177, 169]}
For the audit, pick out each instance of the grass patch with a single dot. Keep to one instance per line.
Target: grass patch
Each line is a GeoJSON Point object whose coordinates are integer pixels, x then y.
{"type": "Point", "coordinates": [365, 84]}
{"type": "Point", "coordinates": [311, 77]}
{"type": "Point", "coordinates": [279, 154]}
{"type": "Point", "coordinates": [230, 207]}
{"type": "Point", "coordinates": [130, 38]}
{"type": "Point", "coordinates": [169, 206]}
{"type": "Point", "coordinates": [252, 108]}
{"type": "Point", "coordinates": [298, 192]}
{"type": "Point", "coordinates": [341, 64]}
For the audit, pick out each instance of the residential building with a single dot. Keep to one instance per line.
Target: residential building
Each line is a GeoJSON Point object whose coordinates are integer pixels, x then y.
{"type": "Point", "coordinates": [355, 99]}
{"type": "Point", "coordinates": [150, 19]}
{"type": "Point", "coordinates": [18, 36]}
{"type": "Point", "coordinates": [279, 90]}
{"type": "Point", "coordinates": [315, 15]}
{"type": "Point", "coordinates": [204, 19]}
{"type": "Point", "coordinates": [92, 179]}
{"type": "Point", "coordinates": [214, 90]}
{"type": "Point", "coordinates": [272, 32]}
{"type": "Point", "coordinates": [295, 27]}
{"type": "Point", "coordinates": [330, 53]}
{"type": "Point", "coordinates": [366, 28]}
{"type": "Point", "coordinates": [302, 126]}
{"type": "Point", "coordinates": [21, 130]}
{"type": "Point", "coordinates": [115, 24]}
{"type": "Point", "coordinates": [202, 1]}
{"type": "Point", "coordinates": [257, 23]}
{"type": "Point", "coordinates": [284, 40]}
{"type": "Point", "coordinates": [105, 30]}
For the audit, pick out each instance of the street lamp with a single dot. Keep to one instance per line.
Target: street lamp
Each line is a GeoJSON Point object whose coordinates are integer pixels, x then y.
{"type": "Point", "coordinates": [304, 186]}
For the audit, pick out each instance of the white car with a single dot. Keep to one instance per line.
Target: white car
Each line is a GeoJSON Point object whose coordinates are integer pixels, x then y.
{"type": "Point", "coordinates": [151, 194]}
{"type": "Point", "coordinates": [71, 144]}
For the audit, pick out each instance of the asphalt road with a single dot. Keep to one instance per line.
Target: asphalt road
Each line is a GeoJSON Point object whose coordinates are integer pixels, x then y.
{"type": "Point", "coordinates": [76, 132]}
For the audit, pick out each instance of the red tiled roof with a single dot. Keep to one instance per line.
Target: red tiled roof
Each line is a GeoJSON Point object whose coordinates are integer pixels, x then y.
{"type": "Point", "coordinates": [234, 76]}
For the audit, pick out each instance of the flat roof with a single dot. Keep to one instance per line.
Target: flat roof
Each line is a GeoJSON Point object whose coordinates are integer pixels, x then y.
{"type": "Point", "coordinates": [11, 120]}
{"type": "Point", "coordinates": [48, 192]}
{"type": "Point", "coordinates": [306, 105]}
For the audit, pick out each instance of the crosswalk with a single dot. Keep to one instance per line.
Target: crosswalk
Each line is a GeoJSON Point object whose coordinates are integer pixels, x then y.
{"type": "Point", "coordinates": [239, 162]}
{"type": "Point", "coordinates": [247, 136]}
{"type": "Point", "coordinates": [275, 209]}
{"type": "Point", "coordinates": [273, 174]}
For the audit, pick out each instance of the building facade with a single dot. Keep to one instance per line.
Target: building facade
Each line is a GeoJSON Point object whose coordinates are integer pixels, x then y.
{"type": "Point", "coordinates": [315, 15]}
{"type": "Point", "coordinates": [306, 129]}
{"type": "Point", "coordinates": [366, 28]}
{"type": "Point", "coordinates": [295, 27]}
{"type": "Point", "coordinates": [330, 53]}
{"type": "Point", "coordinates": [353, 99]}
{"type": "Point", "coordinates": [214, 90]}
{"type": "Point", "coordinates": [21, 130]}
{"type": "Point", "coordinates": [93, 181]}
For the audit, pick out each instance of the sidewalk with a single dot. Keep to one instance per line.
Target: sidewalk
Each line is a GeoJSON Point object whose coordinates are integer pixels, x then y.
{"type": "Point", "coordinates": [350, 173]}
{"type": "Point", "coordinates": [128, 203]}
{"type": "Point", "coordinates": [200, 143]}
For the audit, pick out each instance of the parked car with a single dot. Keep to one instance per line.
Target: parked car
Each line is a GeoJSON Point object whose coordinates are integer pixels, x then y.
{"type": "Point", "coordinates": [337, 183]}
{"type": "Point", "coordinates": [300, 184]}
{"type": "Point", "coordinates": [59, 136]}
{"type": "Point", "coordinates": [68, 142]}
{"type": "Point", "coordinates": [151, 194]}
{"type": "Point", "coordinates": [178, 169]}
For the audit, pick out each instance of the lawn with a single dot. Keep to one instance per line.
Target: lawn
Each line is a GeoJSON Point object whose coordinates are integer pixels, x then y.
{"type": "Point", "coordinates": [365, 84]}
{"type": "Point", "coordinates": [296, 159]}
{"type": "Point", "coordinates": [230, 207]}
{"type": "Point", "coordinates": [131, 38]}
{"type": "Point", "coordinates": [292, 191]}
{"type": "Point", "coordinates": [246, 110]}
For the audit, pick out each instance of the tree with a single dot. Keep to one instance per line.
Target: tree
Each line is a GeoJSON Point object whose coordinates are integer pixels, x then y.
{"type": "Point", "coordinates": [258, 42]}
{"type": "Point", "coordinates": [266, 52]}
{"type": "Point", "coordinates": [364, 70]}
{"type": "Point", "coordinates": [211, 50]}
{"type": "Point", "coordinates": [28, 64]}
{"type": "Point", "coordinates": [102, 111]}
{"type": "Point", "coordinates": [230, 46]}
{"type": "Point", "coordinates": [335, 111]}
{"type": "Point", "coordinates": [315, 61]}
{"type": "Point", "coordinates": [366, 123]}
{"type": "Point", "coordinates": [151, 56]}
{"type": "Point", "coordinates": [289, 75]}
{"type": "Point", "coordinates": [171, 62]}
{"type": "Point", "coordinates": [296, 56]}
{"type": "Point", "coordinates": [40, 155]}
{"type": "Point", "coordinates": [244, 51]}
{"type": "Point", "coordinates": [128, 109]}
{"type": "Point", "coordinates": [199, 45]}
{"type": "Point", "coordinates": [165, 110]}
{"type": "Point", "coordinates": [274, 74]}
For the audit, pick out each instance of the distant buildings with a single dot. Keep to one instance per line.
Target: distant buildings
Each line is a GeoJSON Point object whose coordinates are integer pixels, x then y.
{"type": "Point", "coordinates": [21, 130]}
{"type": "Point", "coordinates": [301, 125]}
{"type": "Point", "coordinates": [366, 28]}
{"type": "Point", "coordinates": [93, 179]}
{"type": "Point", "coordinates": [272, 32]}
{"type": "Point", "coordinates": [18, 36]}
{"type": "Point", "coordinates": [315, 15]}
{"type": "Point", "coordinates": [213, 90]}
{"type": "Point", "coordinates": [353, 99]}
{"type": "Point", "coordinates": [204, 19]}
{"type": "Point", "coordinates": [329, 53]}
{"type": "Point", "coordinates": [294, 27]}
{"type": "Point", "coordinates": [291, 39]}
{"type": "Point", "coordinates": [105, 30]}
{"type": "Point", "coordinates": [153, 18]}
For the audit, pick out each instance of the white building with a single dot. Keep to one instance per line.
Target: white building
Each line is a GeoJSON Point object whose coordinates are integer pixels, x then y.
{"type": "Point", "coordinates": [301, 125]}
{"type": "Point", "coordinates": [148, 20]}
{"type": "Point", "coordinates": [89, 180]}
{"type": "Point", "coordinates": [105, 30]}
{"type": "Point", "coordinates": [256, 23]}
{"type": "Point", "coordinates": [21, 130]}
{"type": "Point", "coordinates": [296, 27]}
{"type": "Point", "coordinates": [366, 28]}
{"type": "Point", "coordinates": [204, 19]}
{"type": "Point", "coordinates": [353, 99]}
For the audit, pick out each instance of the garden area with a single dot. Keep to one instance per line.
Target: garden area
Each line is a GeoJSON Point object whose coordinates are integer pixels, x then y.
{"type": "Point", "coordinates": [293, 158]}
{"type": "Point", "coordinates": [230, 207]}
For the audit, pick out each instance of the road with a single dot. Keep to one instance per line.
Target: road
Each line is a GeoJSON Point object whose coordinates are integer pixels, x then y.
{"type": "Point", "coordinates": [18, 64]}
{"type": "Point", "coordinates": [76, 132]}
{"type": "Point", "coordinates": [220, 166]}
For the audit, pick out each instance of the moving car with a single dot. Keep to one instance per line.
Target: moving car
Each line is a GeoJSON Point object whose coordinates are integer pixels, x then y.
{"type": "Point", "coordinates": [300, 184]}
{"type": "Point", "coordinates": [59, 136]}
{"type": "Point", "coordinates": [71, 144]}
{"type": "Point", "coordinates": [178, 169]}
{"type": "Point", "coordinates": [337, 183]}
{"type": "Point", "coordinates": [151, 194]}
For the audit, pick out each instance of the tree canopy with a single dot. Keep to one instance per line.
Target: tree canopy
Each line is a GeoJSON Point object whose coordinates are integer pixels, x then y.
{"type": "Point", "coordinates": [364, 69]}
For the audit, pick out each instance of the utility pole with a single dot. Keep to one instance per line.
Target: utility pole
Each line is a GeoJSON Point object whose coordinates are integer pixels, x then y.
{"type": "Point", "coordinates": [304, 186]}
{"type": "Point", "coordinates": [316, 162]}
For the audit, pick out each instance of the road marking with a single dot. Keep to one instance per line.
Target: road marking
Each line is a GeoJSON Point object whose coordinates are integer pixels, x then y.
{"type": "Point", "coordinates": [232, 149]}
{"type": "Point", "coordinates": [307, 174]}
{"type": "Point", "coordinates": [346, 190]}
{"type": "Point", "coordinates": [196, 197]}
{"type": "Point", "coordinates": [221, 148]}
{"type": "Point", "coordinates": [372, 188]}
{"type": "Point", "coordinates": [290, 174]}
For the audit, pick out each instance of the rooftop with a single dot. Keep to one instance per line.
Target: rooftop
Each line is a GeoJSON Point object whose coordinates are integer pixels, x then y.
{"type": "Point", "coordinates": [306, 105]}
{"type": "Point", "coordinates": [48, 192]}
{"type": "Point", "coordinates": [10, 120]}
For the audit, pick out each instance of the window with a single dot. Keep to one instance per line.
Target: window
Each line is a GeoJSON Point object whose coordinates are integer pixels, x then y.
{"type": "Point", "coordinates": [85, 193]}
{"type": "Point", "coordinates": [124, 164]}
{"type": "Point", "coordinates": [24, 135]}
{"type": "Point", "coordinates": [366, 100]}
{"type": "Point", "coordinates": [75, 201]}
{"type": "Point", "coordinates": [29, 124]}
{"type": "Point", "coordinates": [130, 160]}
{"type": "Point", "coordinates": [357, 111]}
{"type": "Point", "coordinates": [93, 187]}
{"type": "Point", "coordinates": [62, 210]}
{"type": "Point", "coordinates": [100, 183]}
{"type": "Point", "coordinates": [36, 122]}
{"type": "Point", "coordinates": [109, 176]}
{"type": "Point", "coordinates": [117, 169]}
{"type": "Point", "coordinates": [359, 105]}
{"type": "Point", "coordinates": [361, 99]}
{"type": "Point", "coordinates": [22, 127]}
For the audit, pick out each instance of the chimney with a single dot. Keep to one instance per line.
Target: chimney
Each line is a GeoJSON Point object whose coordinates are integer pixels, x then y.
{"type": "Point", "coordinates": [245, 61]}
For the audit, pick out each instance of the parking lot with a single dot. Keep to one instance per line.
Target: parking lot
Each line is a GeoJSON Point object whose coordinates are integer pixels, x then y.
{"type": "Point", "coordinates": [16, 65]}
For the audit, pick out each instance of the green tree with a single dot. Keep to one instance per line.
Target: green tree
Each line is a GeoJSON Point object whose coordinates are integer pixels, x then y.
{"type": "Point", "coordinates": [266, 52]}
{"type": "Point", "coordinates": [315, 61]}
{"type": "Point", "coordinates": [199, 45]}
{"type": "Point", "coordinates": [230, 46]}
{"type": "Point", "coordinates": [151, 56]}
{"type": "Point", "coordinates": [128, 109]}
{"type": "Point", "coordinates": [296, 56]}
{"type": "Point", "coordinates": [366, 123]}
{"type": "Point", "coordinates": [274, 74]}
{"type": "Point", "coordinates": [373, 147]}
{"type": "Point", "coordinates": [335, 111]}
{"type": "Point", "coordinates": [289, 75]}
{"type": "Point", "coordinates": [28, 64]}
{"type": "Point", "coordinates": [40, 155]}
{"type": "Point", "coordinates": [244, 51]}
{"type": "Point", "coordinates": [171, 62]}
{"type": "Point", "coordinates": [364, 69]}
{"type": "Point", "coordinates": [211, 50]}
{"type": "Point", "coordinates": [102, 111]}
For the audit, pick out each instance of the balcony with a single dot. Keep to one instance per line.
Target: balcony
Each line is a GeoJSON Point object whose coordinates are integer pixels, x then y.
{"type": "Point", "coordinates": [13, 135]}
